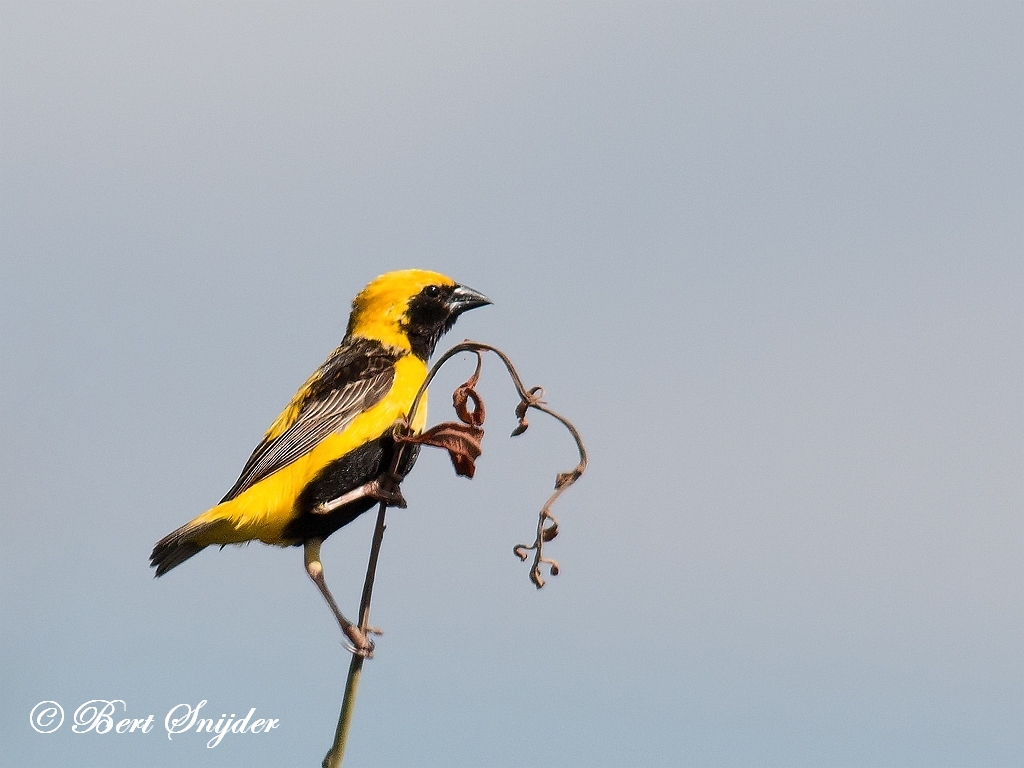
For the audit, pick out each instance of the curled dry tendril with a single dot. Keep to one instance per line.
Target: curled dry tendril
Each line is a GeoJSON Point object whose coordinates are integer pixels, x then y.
{"type": "Point", "coordinates": [462, 440]}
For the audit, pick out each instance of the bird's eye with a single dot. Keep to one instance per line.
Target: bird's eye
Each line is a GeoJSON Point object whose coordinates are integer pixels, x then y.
{"type": "Point", "coordinates": [432, 292]}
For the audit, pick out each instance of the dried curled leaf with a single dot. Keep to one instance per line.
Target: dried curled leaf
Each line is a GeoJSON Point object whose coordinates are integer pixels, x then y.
{"type": "Point", "coordinates": [462, 441]}
{"type": "Point", "coordinates": [548, 533]}
{"type": "Point", "coordinates": [566, 478]}
{"type": "Point", "coordinates": [461, 398]}
{"type": "Point", "coordinates": [521, 415]}
{"type": "Point", "coordinates": [530, 398]}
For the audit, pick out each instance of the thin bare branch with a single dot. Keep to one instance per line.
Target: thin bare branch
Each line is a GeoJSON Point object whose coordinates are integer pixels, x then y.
{"type": "Point", "coordinates": [336, 753]}
{"type": "Point", "coordinates": [462, 441]}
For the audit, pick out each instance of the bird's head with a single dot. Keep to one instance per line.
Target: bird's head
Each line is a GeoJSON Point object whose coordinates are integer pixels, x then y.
{"type": "Point", "coordinates": [411, 309]}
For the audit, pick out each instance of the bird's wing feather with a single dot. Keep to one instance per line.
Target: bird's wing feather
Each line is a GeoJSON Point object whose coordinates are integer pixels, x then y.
{"type": "Point", "coordinates": [352, 380]}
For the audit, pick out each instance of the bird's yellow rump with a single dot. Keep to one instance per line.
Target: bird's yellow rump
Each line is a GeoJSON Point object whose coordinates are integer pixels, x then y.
{"type": "Point", "coordinates": [324, 460]}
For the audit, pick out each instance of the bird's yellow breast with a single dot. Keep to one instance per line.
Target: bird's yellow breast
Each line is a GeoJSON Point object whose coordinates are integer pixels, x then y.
{"type": "Point", "coordinates": [263, 511]}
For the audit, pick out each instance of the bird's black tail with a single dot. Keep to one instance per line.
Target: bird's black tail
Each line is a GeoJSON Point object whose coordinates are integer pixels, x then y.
{"type": "Point", "coordinates": [177, 547]}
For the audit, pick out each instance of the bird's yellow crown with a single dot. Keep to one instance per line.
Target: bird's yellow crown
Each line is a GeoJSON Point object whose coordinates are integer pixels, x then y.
{"type": "Point", "coordinates": [379, 311]}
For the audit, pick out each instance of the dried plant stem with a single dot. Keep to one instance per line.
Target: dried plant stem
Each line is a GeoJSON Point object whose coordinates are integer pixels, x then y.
{"type": "Point", "coordinates": [355, 668]}
{"type": "Point", "coordinates": [462, 440]}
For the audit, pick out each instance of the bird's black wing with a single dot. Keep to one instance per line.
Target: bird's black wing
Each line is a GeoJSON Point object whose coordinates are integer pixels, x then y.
{"type": "Point", "coordinates": [356, 376]}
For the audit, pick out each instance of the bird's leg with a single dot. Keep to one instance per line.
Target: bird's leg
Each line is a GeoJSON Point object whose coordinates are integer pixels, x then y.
{"type": "Point", "coordinates": [384, 488]}
{"type": "Point", "coordinates": [361, 644]}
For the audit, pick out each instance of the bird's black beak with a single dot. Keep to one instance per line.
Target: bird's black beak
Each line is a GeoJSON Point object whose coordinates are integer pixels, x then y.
{"type": "Point", "coordinates": [464, 299]}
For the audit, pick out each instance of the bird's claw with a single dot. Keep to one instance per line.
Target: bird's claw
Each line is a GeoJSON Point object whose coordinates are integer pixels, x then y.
{"type": "Point", "coordinates": [360, 645]}
{"type": "Point", "coordinates": [366, 654]}
{"type": "Point", "coordinates": [386, 489]}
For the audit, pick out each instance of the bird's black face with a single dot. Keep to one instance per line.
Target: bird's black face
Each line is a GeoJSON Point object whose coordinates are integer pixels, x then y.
{"type": "Point", "coordinates": [433, 311]}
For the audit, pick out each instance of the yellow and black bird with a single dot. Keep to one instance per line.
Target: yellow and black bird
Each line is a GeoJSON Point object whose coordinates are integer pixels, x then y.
{"type": "Point", "coordinates": [326, 458]}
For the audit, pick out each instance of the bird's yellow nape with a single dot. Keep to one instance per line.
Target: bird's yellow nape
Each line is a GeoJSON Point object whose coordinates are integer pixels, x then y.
{"type": "Point", "coordinates": [378, 312]}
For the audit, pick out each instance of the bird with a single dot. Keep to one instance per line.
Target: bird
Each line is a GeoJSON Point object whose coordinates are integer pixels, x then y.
{"type": "Point", "coordinates": [328, 457]}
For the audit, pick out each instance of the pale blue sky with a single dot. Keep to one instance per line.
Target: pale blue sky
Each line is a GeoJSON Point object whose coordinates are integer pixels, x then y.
{"type": "Point", "coordinates": [768, 257]}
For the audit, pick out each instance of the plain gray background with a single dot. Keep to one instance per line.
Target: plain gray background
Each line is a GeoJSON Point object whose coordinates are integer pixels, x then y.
{"type": "Point", "coordinates": [768, 257]}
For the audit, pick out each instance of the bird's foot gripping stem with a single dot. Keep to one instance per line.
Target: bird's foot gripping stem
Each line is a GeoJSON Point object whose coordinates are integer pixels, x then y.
{"type": "Point", "coordinates": [359, 643]}
{"type": "Point", "coordinates": [384, 488]}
